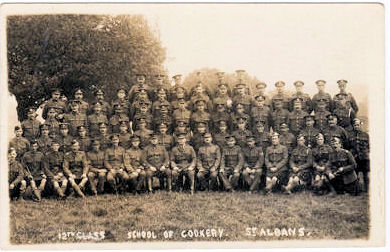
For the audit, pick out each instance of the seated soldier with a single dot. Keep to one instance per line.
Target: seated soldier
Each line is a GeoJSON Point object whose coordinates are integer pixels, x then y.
{"type": "Point", "coordinates": [17, 184]}
{"type": "Point", "coordinates": [75, 167]}
{"type": "Point", "coordinates": [156, 162]}
{"type": "Point", "coordinates": [207, 163]}
{"type": "Point", "coordinates": [321, 164]}
{"type": "Point", "coordinates": [32, 162]}
{"type": "Point", "coordinates": [253, 164]}
{"type": "Point", "coordinates": [276, 157]}
{"type": "Point", "coordinates": [301, 162]}
{"type": "Point", "coordinates": [134, 156]}
{"type": "Point", "coordinates": [97, 172]}
{"type": "Point", "coordinates": [114, 162]}
{"type": "Point", "coordinates": [231, 164]}
{"type": "Point", "coordinates": [183, 161]}
{"type": "Point", "coordinates": [53, 168]}
{"type": "Point", "coordinates": [343, 176]}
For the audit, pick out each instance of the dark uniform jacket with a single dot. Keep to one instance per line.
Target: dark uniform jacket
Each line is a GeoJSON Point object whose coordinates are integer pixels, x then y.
{"type": "Point", "coordinates": [276, 156]}
{"type": "Point", "coordinates": [360, 145]}
{"type": "Point", "coordinates": [241, 136]}
{"type": "Point", "coordinates": [321, 120]}
{"type": "Point", "coordinates": [253, 157]}
{"type": "Point", "coordinates": [278, 117]}
{"type": "Point", "coordinates": [31, 129]}
{"type": "Point", "coordinates": [114, 158]}
{"type": "Point", "coordinates": [209, 158]}
{"type": "Point", "coordinates": [33, 163]}
{"type": "Point", "coordinates": [321, 157]}
{"type": "Point", "coordinates": [343, 158]}
{"type": "Point", "coordinates": [231, 159]}
{"type": "Point", "coordinates": [75, 163]}
{"type": "Point", "coordinates": [16, 172]}
{"type": "Point", "coordinates": [96, 160]}
{"type": "Point", "coordinates": [134, 157]}
{"type": "Point", "coordinates": [155, 156]}
{"type": "Point", "coordinates": [322, 96]}
{"type": "Point", "coordinates": [302, 158]}
{"type": "Point", "coordinates": [75, 120]}
{"type": "Point", "coordinates": [262, 115]}
{"type": "Point", "coordinates": [183, 157]}
{"type": "Point", "coordinates": [336, 131]}
{"type": "Point", "coordinates": [297, 120]}
{"type": "Point", "coordinates": [52, 163]}
{"type": "Point", "coordinates": [93, 123]}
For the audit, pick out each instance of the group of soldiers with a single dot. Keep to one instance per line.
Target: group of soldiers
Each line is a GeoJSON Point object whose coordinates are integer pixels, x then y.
{"type": "Point", "coordinates": [169, 137]}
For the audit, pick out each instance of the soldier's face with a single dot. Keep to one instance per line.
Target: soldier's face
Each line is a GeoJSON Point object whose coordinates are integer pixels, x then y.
{"type": "Point", "coordinates": [231, 142]}
{"type": "Point", "coordinates": [141, 79]}
{"type": "Point", "coordinates": [154, 141]}
{"type": "Point", "coordinates": [181, 140]}
{"type": "Point", "coordinates": [142, 125]}
{"type": "Point", "coordinates": [118, 110]}
{"type": "Point", "coordinates": [275, 140]}
{"type": "Point", "coordinates": [121, 94]}
{"type": "Point", "coordinates": [78, 96]}
{"type": "Point", "coordinates": [241, 91]}
{"type": "Point", "coordinates": [160, 81]}
{"type": "Point", "coordinates": [123, 128]}
{"type": "Point", "coordinates": [222, 128]}
{"type": "Point", "coordinates": [182, 105]}
{"type": "Point", "coordinates": [321, 106]}
{"type": "Point", "coordinates": [143, 109]}
{"type": "Point", "coordinates": [96, 147]}
{"type": "Point", "coordinates": [34, 147]}
{"type": "Point", "coordinates": [336, 144]}
{"type": "Point", "coordinates": [223, 90]}
{"type": "Point", "coordinates": [357, 125]}
{"type": "Point", "coordinates": [240, 109]}
{"type": "Point", "coordinates": [261, 90]}
{"type": "Point", "coordinates": [332, 122]}
{"type": "Point", "coordinates": [284, 129]}
{"type": "Point", "coordinates": [55, 147]}
{"type": "Point", "coordinates": [52, 113]}
{"type": "Point", "coordinates": [297, 106]}
{"type": "Point", "coordinates": [19, 132]}
{"type": "Point", "coordinates": [201, 129]}
{"type": "Point", "coordinates": [260, 103]}
{"type": "Point", "coordinates": [321, 88]}
{"type": "Point", "coordinates": [260, 128]}
{"type": "Point", "coordinates": [164, 109]}
{"type": "Point", "coordinates": [97, 109]}
{"type": "Point", "coordinates": [342, 87]}
{"type": "Point", "coordinates": [163, 130]}
{"type": "Point", "coordinates": [45, 132]}
{"type": "Point", "coordinates": [75, 146]}
{"type": "Point", "coordinates": [55, 96]}
{"type": "Point", "coordinates": [82, 133]}
{"type": "Point", "coordinates": [100, 96]}
{"type": "Point", "coordinates": [13, 154]}
{"type": "Point", "coordinates": [31, 115]}
{"type": "Point", "coordinates": [309, 122]}
{"type": "Point", "coordinates": [208, 139]}
{"type": "Point", "coordinates": [161, 95]}
{"type": "Point", "coordinates": [241, 125]}
{"type": "Point", "coordinates": [251, 143]}
{"type": "Point", "coordinates": [75, 107]}
{"type": "Point", "coordinates": [135, 143]}
{"type": "Point", "coordinates": [179, 93]}
{"type": "Point", "coordinates": [279, 89]}
{"type": "Point", "coordinates": [200, 107]}
{"type": "Point", "coordinates": [115, 141]}
{"type": "Point", "coordinates": [298, 89]}
{"type": "Point", "coordinates": [320, 140]}
{"type": "Point", "coordinates": [103, 130]}
{"type": "Point", "coordinates": [301, 141]}
{"type": "Point", "coordinates": [64, 131]}
{"type": "Point", "coordinates": [220, 107]}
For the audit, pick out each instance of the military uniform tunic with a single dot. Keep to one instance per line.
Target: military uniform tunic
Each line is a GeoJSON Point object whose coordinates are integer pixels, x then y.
{"type": "Point", "coordinates": [322, 97]}
{"type": "Point", "coordinates": [321, 155]}
{"type": "Point", "coordinates": [155, 156]}
{"type": "Point", "coordinates": [276, 156]}
{"type": "Point", "coordinates": [321, 120]}
{"type": "Point", "coordinates": [278, 117]}
{"type": "Point", "coordinates": [183, 157]}
{"type": "Point", "coordinates": [53, 162]}
{"type": "Point", "coordinates": [16, 172]}
{"type": "Point", "coordinates": [297, 121]}
{"type": "Point", "coordinates": [75, 120]}
{"type": "Point", "coordinates": [360, 149]}
{"type": "Point", "coordinates": [114, 158]}
{"type": "Point", "coordinates": [307, 104]}
{"type": "Point", "coordinates": [302, 158]}
{"type": "Point", "coordinates": [75, 163]}
{"type": "Point", "coordinates": [33, 163]}
{"type": "Point", "coordinates": [31, 129]}
{"type": "Point", "coordinates": [93, 123]}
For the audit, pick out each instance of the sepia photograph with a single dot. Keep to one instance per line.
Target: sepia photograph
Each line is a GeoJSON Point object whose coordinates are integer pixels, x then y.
{"type": "Point", "coordinates": [167, 125]}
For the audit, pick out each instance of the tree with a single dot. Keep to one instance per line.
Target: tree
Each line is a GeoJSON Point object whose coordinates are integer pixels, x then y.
{"type": "Point", "coordinates": [70, 51]}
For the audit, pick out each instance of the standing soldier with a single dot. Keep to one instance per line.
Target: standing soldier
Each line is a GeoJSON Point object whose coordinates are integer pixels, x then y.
{"type": "Point", "coordinates": [105, 106]}
{"type": "Point", "coordinates": [280, 96]}
{"type": "Point", "coordinates": [143, 112]}
{"type": "Point", "coordinates": [276, 158]}
{"type": "Point", "coordinates": [156, 162]}
{"type": "Point", "coordinates": [286, 138]}
{"type": "Point", "coordinates": [207, 163]}
{"type": "Point", "coordinates": [44, 141]}
{"type": "Point", "coordinates": [52, 122]}
{"type": "Point", "coordinates": [114, 162]}
{"type": "Point", "coordinates": [253, 164]}
{"type": "Point", "coordinates": [221, 133]}
{"type": "Point", "coordinates": [321, 115]}
{"type": "Point", "coordinates": [16, 175]}
{"type": "Point", "coordinates": [52, 163]}
{"type": "Point", "coordinates": [143, 133]}
{"type": "Point", "coordinates": [360, 148]}
{"type": "Point", "coordinates": [117, 118]}
{"type": "Point", "coordinates": [103, 136]}
{"type": "Point", "coordinates": [231, 164]}
{"type": "Point", "coordinates": [301, 162]}
{"type": "Point", "coordinates": [333, 130]}
{"type": "Point", "coordinates": [242, 98]}
{"type": "Point", "coordinates": [279, 115]}
{"type": "Point", "coordinates": [159, 83]}
{"type": "Point", "coordinates": [197, 138]}
{"type": "Point", "coordinates": [223, 93]}
{"type": "Point", "coordinates": [83, 105]}
{"type": "Point", "coordinates": [64, 139]}
{"type": "Point", "coordinates": [165, 139]}
{"type": "Point", "coordinates": [56, 103]}
{"type": "Point", "coordinates": [19, 143]}
{"type": "Point", "coordinates": [75, 118]}
{"type": "Point", "coordinates": [75, 166]}
{"type": "Point", "coordinates": [163, 116]}
{"type": "Point", "coordinates": [181, 113]}
{"type": "Point", "coordinates": [322, 96]}
{"type": "Point", "coordinates": [175, 89]}
{"type": "Point", "coordinates": [260, 112]}
{"type": "Point", "coordinates": [220, 113]}
{"type": "Point", "coordinates": [180, 94]}
{"type": "Point", "coordinates": [124, 135]}
{"type": "Point", "coordinates": [134, 156]}
{"type": "Point", "coordinates": [32, 161]}
{"type": "Point", "coordinates": [241, 133]}
{"type": "Point", "coordinates": [297, 117]}
{"type": "Point", "coordinates": [321, 165]}
{"type": "Point", "coordinates": [98, 116]}
{"type": "Point", "coordinates": [309, 132]}
{"type": "Point", "coordinates": [260, 91]}
{"type": "Point", "coordinates": [345, 107]}
{"type": "Point", "coordinates": [307, 104]}
{"type": "Point", "coordinates": [140, 85]}
{"type": "Point", "coordinates": [262, 137]}
{"type": "Point", "coordinates": [200, 115]}
{"type": "Point", "coordinates": [183, 161]}
{"type": "Point", "coordinates": [121, 101]}
{"type": "Point", "coordinates": [83, 139]}
{"type": "Point", "coordinates": [31, 125]}
{"type": "Point", "coordinates": [97, 172]}
{"type": "Point", "coordinates": [161, 98]}
{"type": "Point", "coordinates": [343, 165]}
{"type": "Point", "coordinates": [238, 113]}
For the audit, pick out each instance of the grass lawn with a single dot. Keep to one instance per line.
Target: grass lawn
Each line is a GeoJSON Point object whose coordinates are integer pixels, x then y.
{"type": "Point", "coordinates": [228, 216]}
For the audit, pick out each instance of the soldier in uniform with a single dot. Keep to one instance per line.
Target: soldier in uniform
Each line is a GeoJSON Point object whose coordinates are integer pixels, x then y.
{"type": "Point", "coordinates": [161, 98]}
{"type": "Point", "coordinates": [52, 164]}
{"type": "Point", "coordinates": [44, 140]}
{"type": "Point", "coordinates": [83, 105]}
{"type": "Point", "coordinates": [143, 133]}
{"type": "Point", "coordinates": [52, 122]}
{"type": "Point", "coordinates": [345, 107]}
{"type": "Point", "coordinates": [309, 132]}
{"type": "Point", "coordinates": [333, 130]}
{"type": "Point", "coordinates": [105, 106]}
{"type": "Point", "coordinates": [321, 115]}
{"type": "Point", "coordinates": [200, 115]}
{"type": "Point", "coordinates": [159, 83]}
{"type": "Point", "coordinates": [231, 164]}
{"type": "Point", "coordinates": [221, 134]}
{"type": "Point", "coordinates": [220, 113]}
{"type": "Point", "coordinates": [279, 115]}
{"type": "Point", "coordinates": [117, 118]}
{"type": "Point", "coordinates": [98, 116]}
{"type": "Point", "coordinates": [260, 113]}
{"type": "Point", "coordinates": [207, 163]}
{"type": "Point", "coordinates": [164, 139]}
{"type": "Point", "coordinates": [242, 98]}
{"type": "Point", "coordinates": [141, 85]}
{"type": "Point", "coordinates": [322, 96]}
{"type": "Point", "coordinates": [301, 163]}
{"type": "Point", "coordinates": [262, 137]}
{"type": "Point", "coordinates": [223, 93]}
{"type": "Point", "coordinates": [103, 136]}
{"type": "Point", "coordinates": [286, 138]}
{"type": "Point", "coordinates": [260, 91]}
{"type": "Point", "coordinates": [124, 136]}
{"type": "Point", "coordinates": [241, 133]}
{"type": "Point", "coordinates": [83, 139]}
{"type": "Point", "coordinates": [64, 139]}
{"type": "Point", "coordinates": [143, 112]}
{"type": "Point", "coordinates": [156, 162]}
{"type": "Point", "coordinates": [16, 175]}
{"type": "Point", "coordinates": [56, 103]}
{"type": "Point", "coordinates": [97, 171]}
{"type": "Point", "coordinates": [163, 116]}
{"type": "Point", "coordinates": [321, 165]}
{"type": "Point", "coordinates": [275, 159]}
{"type": "Point", "coordinates": [297, 117]}
{"type": "Point", "coordinates": [134, 157]}
{"type": "Point", "coordinates": [360, 148]}
{"type": "Point", "coordinates": [253, 164]}
{"type": "Point", "coordinates": [75, 167]}
{"type": "Point", "coordinates": [181, 113]}
{"type": "Point", "coordinates": [343, 176]}
{"type": "Point", "coordinates": [122, 101]}
{"type": "Point", "coordinates": [182, 128]}
{"type": "Point", "coordinates": [180, 93]}
{"type": "Point", "coordinates": [175, 89]}
{"type": "Point", "coordinates": [238, 113]}
{"type": "Point", "coordinates": [183, 161]}
{"type": "Point", "coordinates": [32, 161]}
{"type": "Point", "coordinates": [19, 143]}
{"type": "Point", "coordinates": [75, 118]}
{"type": "Point", "coordinates": [280, 96]}
{"type": "Point", "coordinates": [31, 125]}
{"type": "Point", "coordinates": [307, 104]}
{"type": "Point", "coordinates": [114, 161]}
{"type": "Point", "coordinates": [197, 138]}
{"type": "Point", "coordinates": [140, 100]}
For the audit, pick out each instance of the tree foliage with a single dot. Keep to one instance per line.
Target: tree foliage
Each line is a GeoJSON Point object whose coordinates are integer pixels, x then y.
{"type": "Point", "coordinates": [70, 51]}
